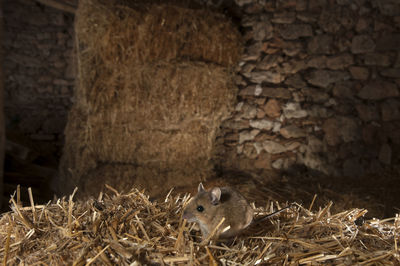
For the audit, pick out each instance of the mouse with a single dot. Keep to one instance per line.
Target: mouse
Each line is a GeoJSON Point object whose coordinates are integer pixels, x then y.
{"type": "Point", "coordinates": [208, 208]}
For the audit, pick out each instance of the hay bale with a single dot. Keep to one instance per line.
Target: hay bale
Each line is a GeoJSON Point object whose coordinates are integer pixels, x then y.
{"type": "Point", "coordinates": [143, 125]}
{"type": "Point", "coordinates": [164, 96]}
{"type": "Point", "coordinates": [172, 119]}
{"type": "Point", "coordinates": [155, 82]}
{"type": "Point", "coordinates": [158, 157]}
{"type": "Point", "coordinates": [129, 229]}
{"type": "Point", "coordinates": [144, 32]}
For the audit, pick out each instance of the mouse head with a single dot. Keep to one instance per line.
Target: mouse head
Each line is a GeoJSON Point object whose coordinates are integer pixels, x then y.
{"type": "Point", "coordinates": [203, 209]}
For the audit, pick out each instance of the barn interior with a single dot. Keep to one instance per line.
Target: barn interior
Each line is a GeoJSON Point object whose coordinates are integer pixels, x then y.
{"type": "Point", "coordinates": [285, 100]}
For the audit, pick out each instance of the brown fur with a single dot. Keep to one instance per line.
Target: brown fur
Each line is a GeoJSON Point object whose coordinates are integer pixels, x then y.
{"type": "Point", "coordinates": [231, 205]}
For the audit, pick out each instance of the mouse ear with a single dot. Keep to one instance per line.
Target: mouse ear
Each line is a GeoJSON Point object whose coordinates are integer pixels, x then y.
{"type": "Point", "coordinates": [200, 188]}
{"type": "Point", "coordinates": [215, 195]}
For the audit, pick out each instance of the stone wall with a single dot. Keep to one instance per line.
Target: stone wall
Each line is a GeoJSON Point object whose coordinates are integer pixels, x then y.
{"type": "Point", "coordinates": [39, 74]}
{"type": "Point", "coordinates": [319, 87]}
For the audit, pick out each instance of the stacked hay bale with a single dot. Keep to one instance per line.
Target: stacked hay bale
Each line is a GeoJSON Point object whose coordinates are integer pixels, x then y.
{"type": "Point", "coordinates": [155, 81]}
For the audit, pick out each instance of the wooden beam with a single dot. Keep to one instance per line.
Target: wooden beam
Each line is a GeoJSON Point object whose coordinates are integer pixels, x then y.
{"type": "Point", "coordinates": [59, 5]}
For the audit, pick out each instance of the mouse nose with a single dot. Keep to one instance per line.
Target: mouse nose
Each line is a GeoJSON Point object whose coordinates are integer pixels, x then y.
{"type": "Point", "coordinates": [186, 215]}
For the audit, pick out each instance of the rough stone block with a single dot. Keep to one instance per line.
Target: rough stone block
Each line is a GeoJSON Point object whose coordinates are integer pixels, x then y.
{"type": "Point", "coordinates": [292, 131]}
{"type": "Point", "coordinates": [378, 90]}
{"type": "Point", "coordinates": [295, 31]}
{"type": "Point", "coordinates": [362, 44]}
{"type": "Point", "coordinates": [360, 73]}
{"type": "Point", "coordinates": [324, 78]}
{"type": "Point", "coordinates": [272, 108]}
{"type": "Point", "coordinates": [321, 44]}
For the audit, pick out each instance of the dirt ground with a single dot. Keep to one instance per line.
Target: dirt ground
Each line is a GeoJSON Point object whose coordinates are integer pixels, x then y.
{"type": "Point", "coordinates": [379, 194]}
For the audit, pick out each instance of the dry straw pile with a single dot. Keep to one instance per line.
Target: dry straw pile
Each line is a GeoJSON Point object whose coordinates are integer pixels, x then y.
{"type": "Point", "coordinates": [155, 81]}
{"type": "Point", "coordinates": [128, 229]}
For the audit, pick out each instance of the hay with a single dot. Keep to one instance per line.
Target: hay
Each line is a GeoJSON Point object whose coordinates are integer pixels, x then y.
{"type": "Point", "coordinates": [128, 228]}
{"type": "Point", "coordinates": [145, 126]}
{"type": "Point", "coordinates": [115, 33]}
{"type": "Point", "coordinates": [155, 82]}
{"type": "Point", "coordinates": [161, 95]}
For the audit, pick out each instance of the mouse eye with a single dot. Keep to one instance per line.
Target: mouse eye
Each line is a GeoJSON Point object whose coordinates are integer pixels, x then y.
{"type": "Point", "coordinates": [200, 208]}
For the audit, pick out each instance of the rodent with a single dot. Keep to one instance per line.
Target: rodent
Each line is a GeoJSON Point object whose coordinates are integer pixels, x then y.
{"type": "Point", "coordinates": [208, 208]}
